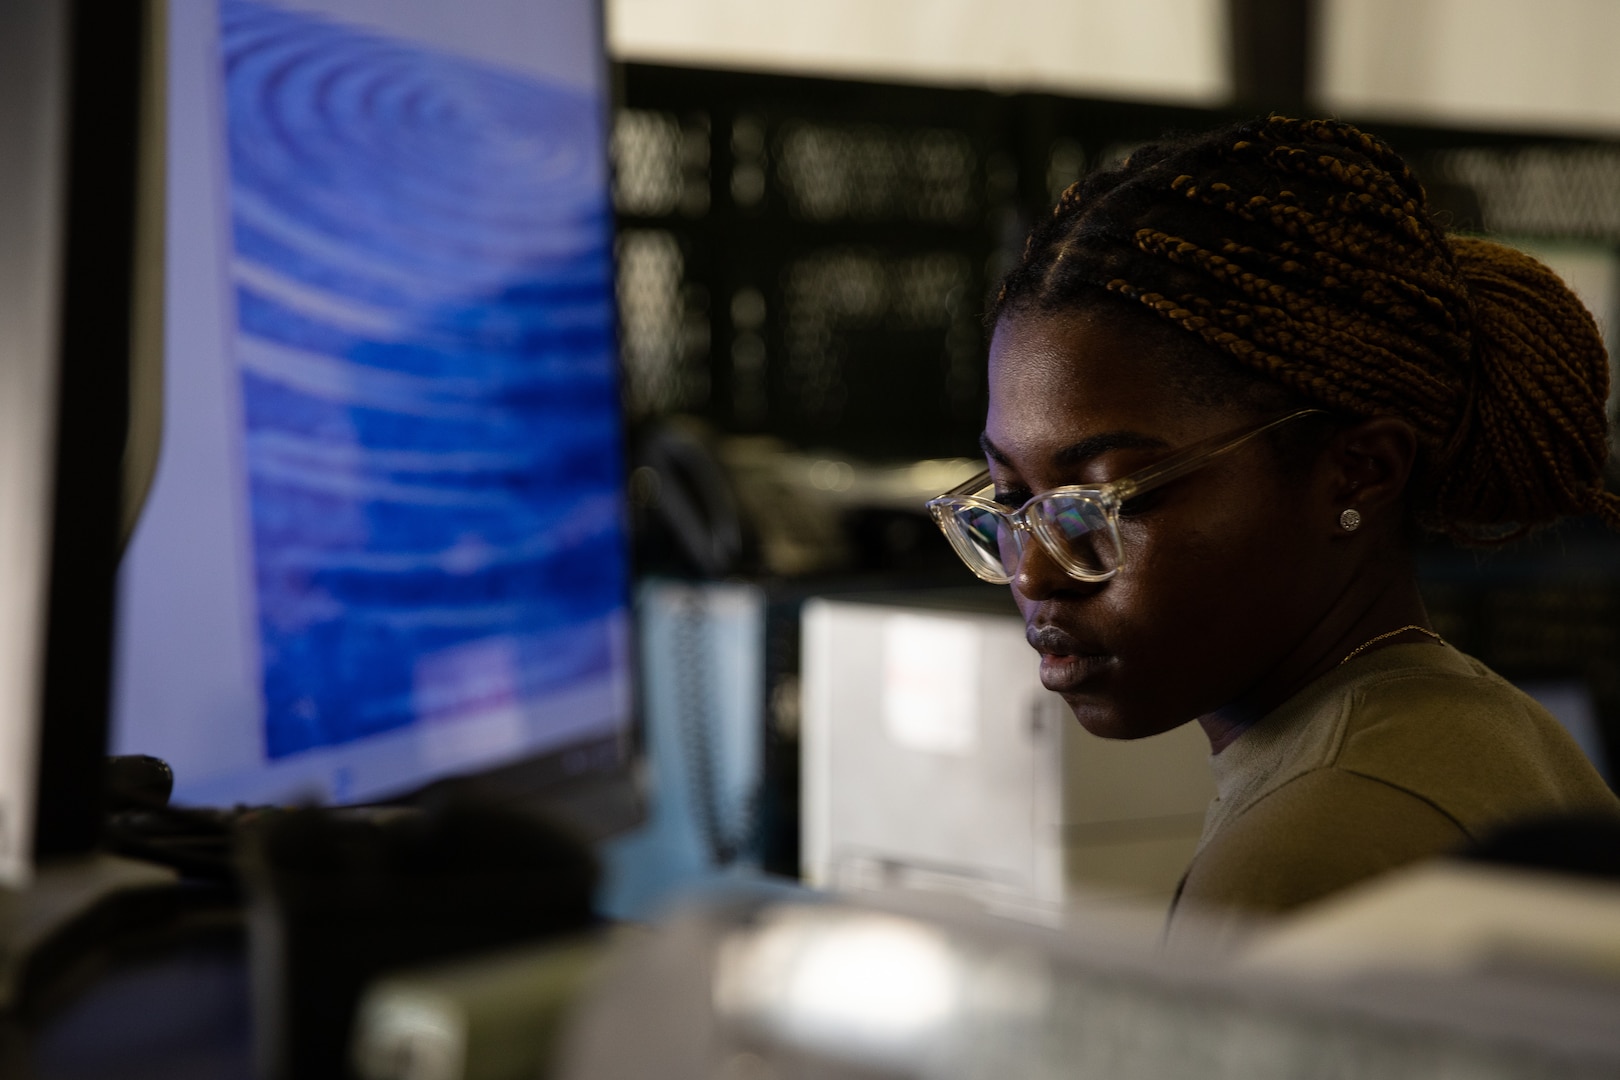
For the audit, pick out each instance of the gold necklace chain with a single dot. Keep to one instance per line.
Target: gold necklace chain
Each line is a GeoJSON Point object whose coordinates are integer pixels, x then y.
{"type": "Point", "coordinates": [1389, 634]}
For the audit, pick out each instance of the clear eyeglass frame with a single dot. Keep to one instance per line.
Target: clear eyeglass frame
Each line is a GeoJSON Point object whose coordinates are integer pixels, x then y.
{"type": "Point", "coordinates": [1077, 525]}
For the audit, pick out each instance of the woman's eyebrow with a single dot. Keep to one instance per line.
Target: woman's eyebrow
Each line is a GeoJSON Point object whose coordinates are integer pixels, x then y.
{"type": "Point", "coordinates": [1080, 452]}
{"type": "Point", "coordinates": [991, 451]}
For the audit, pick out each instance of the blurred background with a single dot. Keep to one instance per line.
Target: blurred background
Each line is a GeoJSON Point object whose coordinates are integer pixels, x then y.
{"type": "Point", "coordinates": [812, 207]}
{"type": "Point", "coordinates": [815, 204]}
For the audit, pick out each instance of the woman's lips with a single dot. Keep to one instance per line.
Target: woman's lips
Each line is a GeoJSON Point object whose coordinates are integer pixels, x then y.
{"type": "Point", "coordinates": [1066, 662]}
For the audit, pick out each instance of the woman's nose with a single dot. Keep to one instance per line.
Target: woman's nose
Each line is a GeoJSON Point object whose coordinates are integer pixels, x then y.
{"type": "Point", "coordinates": [1039, 577]}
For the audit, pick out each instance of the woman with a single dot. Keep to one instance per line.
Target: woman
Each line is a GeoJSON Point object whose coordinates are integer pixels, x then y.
{"type": "Point", "coordinates": [1229, 381]}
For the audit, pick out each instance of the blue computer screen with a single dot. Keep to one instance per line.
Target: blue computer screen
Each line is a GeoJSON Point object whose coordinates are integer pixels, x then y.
{"type": "Point", "coordinates": [386, 541]}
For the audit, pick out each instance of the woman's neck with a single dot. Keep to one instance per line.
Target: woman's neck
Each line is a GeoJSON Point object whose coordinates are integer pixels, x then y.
{"type": "Point", "coordinates": [1359, 617]}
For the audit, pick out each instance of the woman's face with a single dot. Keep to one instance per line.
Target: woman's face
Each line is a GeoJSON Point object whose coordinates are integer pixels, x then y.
{"type": "Point", "coordinates": [1224, 572]}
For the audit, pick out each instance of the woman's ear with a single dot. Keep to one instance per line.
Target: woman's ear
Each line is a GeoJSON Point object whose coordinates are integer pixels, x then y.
{"type": "Point", "coordinates": [1366, 469]}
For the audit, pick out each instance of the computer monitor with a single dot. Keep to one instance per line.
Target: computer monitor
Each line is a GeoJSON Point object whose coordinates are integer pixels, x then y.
{"type": "Point", "coordinates": [386, 540]}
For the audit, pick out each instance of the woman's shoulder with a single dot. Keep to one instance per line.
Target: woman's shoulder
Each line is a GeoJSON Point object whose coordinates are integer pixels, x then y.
{"type": "Point", "coordinates": [1320, 832]}
{"type": "Point", "coordinates": [1446, 728]}
{"type": "Point", "coordinates": [1415, 753]}
{"type": "Point", "coordinates": [1419, 697]}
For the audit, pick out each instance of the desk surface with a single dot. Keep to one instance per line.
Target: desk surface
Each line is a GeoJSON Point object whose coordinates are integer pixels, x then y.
{"type": "Point", "coordinates": [177, 1012]}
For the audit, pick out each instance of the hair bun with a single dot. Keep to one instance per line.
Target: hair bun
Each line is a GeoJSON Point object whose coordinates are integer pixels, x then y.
{"type": "Point", "coordinates": [1532, 440]}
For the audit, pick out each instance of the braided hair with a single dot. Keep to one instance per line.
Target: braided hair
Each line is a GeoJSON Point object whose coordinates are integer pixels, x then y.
{"type": "Point", "coordinates": [1305, 251]}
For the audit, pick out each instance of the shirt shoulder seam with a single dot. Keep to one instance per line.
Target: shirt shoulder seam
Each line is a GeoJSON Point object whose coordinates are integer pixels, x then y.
{"type": "Point", "coordinates": [1425, 800]}
{"type": "Point", "coordinates": [1357, 695]}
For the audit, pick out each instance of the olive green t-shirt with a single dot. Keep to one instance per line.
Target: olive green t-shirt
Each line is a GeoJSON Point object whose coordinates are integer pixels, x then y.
{"type": "Point", "coordinates": [1402, 753]}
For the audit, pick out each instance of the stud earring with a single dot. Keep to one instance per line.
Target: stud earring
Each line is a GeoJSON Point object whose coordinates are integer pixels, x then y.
{"type": "Point", "coordinates": [1350, 520]}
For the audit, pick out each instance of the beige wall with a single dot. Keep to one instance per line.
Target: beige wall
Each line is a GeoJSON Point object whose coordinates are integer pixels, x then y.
{"type": "Point", "coordinates": [1540, 64]}
{"type": "Point", "coordinates": [1169, 50]}
{"type": "Point", "coordinates": [1536, 64]}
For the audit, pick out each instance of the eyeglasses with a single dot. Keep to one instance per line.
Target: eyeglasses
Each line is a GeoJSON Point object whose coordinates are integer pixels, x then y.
{"type": "Point", "coordinates": [1078, 526]}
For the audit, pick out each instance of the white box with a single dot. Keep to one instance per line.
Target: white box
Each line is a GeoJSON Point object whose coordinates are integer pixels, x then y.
{"type": "Point", "coordinates": [934, 758]}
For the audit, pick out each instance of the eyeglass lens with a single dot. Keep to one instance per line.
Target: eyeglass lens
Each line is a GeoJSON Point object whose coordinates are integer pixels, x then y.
{"type": "Point", "coordinates": [1080, 529]}
{"type": "Point", "coordinates": [1076, 528]}
{"type": "Point", "coordinates": [994, 542]}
